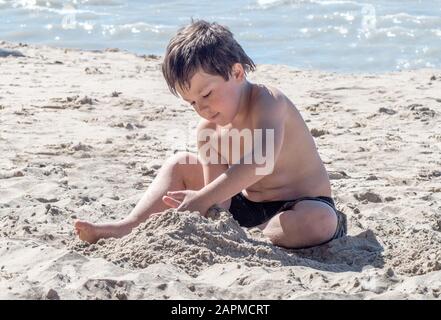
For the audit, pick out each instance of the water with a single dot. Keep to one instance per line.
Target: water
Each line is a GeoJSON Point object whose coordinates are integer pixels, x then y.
{"type": "Point", "coordinates": [343, 36]}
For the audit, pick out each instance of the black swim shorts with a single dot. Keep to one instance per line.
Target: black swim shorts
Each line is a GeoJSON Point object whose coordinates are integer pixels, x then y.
{"type": "Point", "coordinates": [250, 214]}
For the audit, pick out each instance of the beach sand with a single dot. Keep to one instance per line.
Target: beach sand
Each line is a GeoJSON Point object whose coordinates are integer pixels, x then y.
{"type": "Point", "coordinates": [84, 133]}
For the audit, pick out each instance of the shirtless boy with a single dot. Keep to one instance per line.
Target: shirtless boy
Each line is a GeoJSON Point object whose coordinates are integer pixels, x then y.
{"type": "Point", "coordinates": [292, 203]}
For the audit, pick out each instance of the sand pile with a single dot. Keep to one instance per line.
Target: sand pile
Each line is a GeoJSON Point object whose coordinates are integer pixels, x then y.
{"type": "Point", "coordinates": [190, 242]}
{"type": "Point", "coordinates": [193, 243]}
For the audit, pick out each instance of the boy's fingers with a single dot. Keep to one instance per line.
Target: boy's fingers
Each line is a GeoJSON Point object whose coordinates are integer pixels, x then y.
{"type": "Point", "coordinates": [173, 203]}
{"type": "Point", "coordinates": [176, 194]}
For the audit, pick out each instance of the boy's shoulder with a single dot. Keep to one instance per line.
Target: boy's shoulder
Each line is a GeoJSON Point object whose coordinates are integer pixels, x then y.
{"type": "Point", "coordinates": [268, 93]}
{"type": "Point", "coordinates": [268, 102]}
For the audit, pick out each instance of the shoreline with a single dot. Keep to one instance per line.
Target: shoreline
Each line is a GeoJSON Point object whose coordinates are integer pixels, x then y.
{"type": "Point", "coordinates": [85, 132]}
{"type": "Point", "coordinates": [158, 56]}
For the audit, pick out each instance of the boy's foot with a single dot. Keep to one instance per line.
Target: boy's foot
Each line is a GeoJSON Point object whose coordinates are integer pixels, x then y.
{"type": "Point", "coordinates": [91, 232]}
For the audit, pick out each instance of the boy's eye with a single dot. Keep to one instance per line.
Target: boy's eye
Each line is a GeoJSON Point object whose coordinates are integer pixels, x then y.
{"type": "Point", "coordinates": [206, 96]}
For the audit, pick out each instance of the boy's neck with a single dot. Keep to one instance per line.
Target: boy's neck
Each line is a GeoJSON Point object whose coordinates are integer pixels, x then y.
{"type": "Point", "coordinates": [244, 103]}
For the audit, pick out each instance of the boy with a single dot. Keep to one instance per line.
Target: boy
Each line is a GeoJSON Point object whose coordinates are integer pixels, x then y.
{"type": "Point", "coordinates": [291, 203]}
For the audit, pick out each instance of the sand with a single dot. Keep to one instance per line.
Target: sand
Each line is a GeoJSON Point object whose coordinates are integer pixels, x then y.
{"type": "Point", "coordinates": [84, 133]}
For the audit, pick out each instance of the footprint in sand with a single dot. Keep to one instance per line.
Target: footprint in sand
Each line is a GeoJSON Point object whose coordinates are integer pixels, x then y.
{"type": "Point", "coordinates": [145, 137]}
{"type": "Point", "coordinates": [336, 175]}
{"type": "Point", "coordinates": [92, 70]}
{"type": "Point", "coordinates": [318, 132]}
{"type": "Point", "coordinates": [128, 125]}
{"type": "Point", "coordinates": [426, 175]}
{"type": "Point", "coordinates": [386, 111]}
{"type": "Point", "coordinates": [368, 196]}
{"type": "Point", "coordinates": [81, 147]}
{"type": "Point", "coordinates": [436, 137]}
{"type": "Point", "coordinates": [108, 288]}
{"type": "Point", "coordinates": [421, 113]}
{"type": "Point", "coordinates": [145, 171]}
{"type": "Point", "coordinates": [74, 102]}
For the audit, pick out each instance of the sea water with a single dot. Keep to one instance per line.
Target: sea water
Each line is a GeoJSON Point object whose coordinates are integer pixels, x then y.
{"type": "Point", "coordinates": [342, 36]}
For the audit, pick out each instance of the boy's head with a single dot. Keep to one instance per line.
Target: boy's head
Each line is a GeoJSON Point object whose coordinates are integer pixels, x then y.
{"type": "Point", "coordinates": [206, 66]}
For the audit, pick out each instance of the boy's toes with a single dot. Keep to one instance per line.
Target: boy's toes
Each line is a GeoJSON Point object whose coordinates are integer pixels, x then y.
{"type": "Point", "coordinates": [85, 231]}
{"type": "Point", "coordinates": [79, 224]}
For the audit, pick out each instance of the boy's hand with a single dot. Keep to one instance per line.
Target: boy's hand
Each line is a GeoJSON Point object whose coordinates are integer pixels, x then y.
{"type": "Point", "coordinates": [186, 200]}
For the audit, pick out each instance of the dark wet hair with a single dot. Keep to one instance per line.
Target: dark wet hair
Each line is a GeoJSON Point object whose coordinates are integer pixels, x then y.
{"type": "Point", "coordinates": [205, 45]}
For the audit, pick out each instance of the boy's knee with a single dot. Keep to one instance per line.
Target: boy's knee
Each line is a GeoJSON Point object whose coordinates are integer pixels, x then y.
{"type": "Point", "coordinates": [323, 227]}
{"type": "Point", "coordinates": [286, 232]}
{"type": "Point", "coordinates": [320, 229]}
{"type": "Point", "coordinates": [182, 157]}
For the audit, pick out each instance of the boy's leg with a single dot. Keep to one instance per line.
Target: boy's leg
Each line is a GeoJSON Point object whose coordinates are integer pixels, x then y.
{"type": "Point", "coordinates": [308, 223]}
{"type": "Point", "coordinates": [173, 175]}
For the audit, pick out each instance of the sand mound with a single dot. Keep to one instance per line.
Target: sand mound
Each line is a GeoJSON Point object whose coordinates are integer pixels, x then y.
{"type": "Point", "coordinates": [188, 241]}
{"type": "Point", "coordinates": [193, 243]}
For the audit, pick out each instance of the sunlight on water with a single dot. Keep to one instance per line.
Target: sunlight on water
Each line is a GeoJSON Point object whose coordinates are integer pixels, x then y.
{"type": "Point", "coordinates": [346, 36]}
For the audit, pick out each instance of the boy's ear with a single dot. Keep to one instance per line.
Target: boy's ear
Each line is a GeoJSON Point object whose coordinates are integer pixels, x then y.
{"type": "Point", "coordinates": [238, 71]}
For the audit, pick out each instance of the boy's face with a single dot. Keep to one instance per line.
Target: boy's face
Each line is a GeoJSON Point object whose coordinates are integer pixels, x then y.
{"type": "Point", "coordinates": [212, 97]}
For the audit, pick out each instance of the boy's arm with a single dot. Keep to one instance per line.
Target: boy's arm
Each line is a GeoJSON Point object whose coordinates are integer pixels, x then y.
{"type": "Point", "coordinates": [207, 149]}
{"type": "Point", "coordinates": [211, 169]}
{"type": "Point", "coordinates": [268, 115]}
